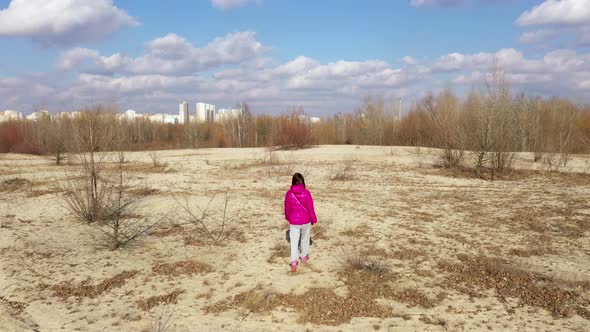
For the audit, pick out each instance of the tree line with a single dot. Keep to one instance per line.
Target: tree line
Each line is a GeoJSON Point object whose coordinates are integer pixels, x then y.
{"type": "Point", "coordinates": [486, 129]}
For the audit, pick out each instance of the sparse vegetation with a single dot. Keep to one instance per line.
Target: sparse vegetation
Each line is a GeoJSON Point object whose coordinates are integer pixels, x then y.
{"type": "Point", "coordinates": [154, 301]}
{"type": "Point", "coordinates": [213, 223]}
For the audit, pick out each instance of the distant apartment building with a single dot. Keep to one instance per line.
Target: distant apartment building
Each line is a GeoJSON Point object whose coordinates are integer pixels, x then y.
{"type": "Point", "coordinates": [164, 118]}
{"type": "Point", "coordinates": [228, 113]}
{"type": "Point", "coordinates": [35, 116]}
{"type": "Point", "coordinates": [183, 112]}
{"type": "Point", "coordinates": [130, 115]}
{"type": "Point", "coordinates": [10, 115]}
{"type": "Point", "coordinates": [204, 112]}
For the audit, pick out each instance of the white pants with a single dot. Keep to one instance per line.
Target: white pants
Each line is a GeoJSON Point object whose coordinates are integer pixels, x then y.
{"type": "Point", "coordinates": [295, 231]}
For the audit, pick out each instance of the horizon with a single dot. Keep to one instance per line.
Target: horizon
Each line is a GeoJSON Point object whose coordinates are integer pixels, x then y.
{"type": "Point", "coordinates": [276, 55]}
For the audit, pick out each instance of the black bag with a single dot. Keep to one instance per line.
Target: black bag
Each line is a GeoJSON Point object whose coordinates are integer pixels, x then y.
{"type": "Point", "coordinates": [288, 237]}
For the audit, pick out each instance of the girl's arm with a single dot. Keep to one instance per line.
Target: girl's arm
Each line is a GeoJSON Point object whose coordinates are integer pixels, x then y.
{"type": "Point", "coordinates": [287, 207]}
{"type": "Point", "coordinates": [311, 209]}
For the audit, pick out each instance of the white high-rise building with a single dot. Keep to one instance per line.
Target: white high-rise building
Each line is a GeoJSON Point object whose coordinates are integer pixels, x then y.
{"type": "Point", "coordinates": [205, 112]}
{"type": "Point", "coordinates": [10, 115]}
{"type": "Point", "coordinates": [183, 112]}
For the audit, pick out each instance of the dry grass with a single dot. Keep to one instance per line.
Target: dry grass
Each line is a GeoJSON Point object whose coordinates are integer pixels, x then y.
{"type": "Point", "coordinates": [144, 191]}
{"type": "Point", "coordinates": [477, 273]}
{"type": "Point", "coordinates": [14, 184]}
{"type": "Point", "coordinates": [42, 192]}
{"type": "Point", "coordinates": [84, 289]}
{"type": "Point", "coordinates": [435, 320]}
{"type": "Point", "coordinates": [401, 254]}
{"type": "Point", "coordinates": [343, 172]}
{"type": "Point", "coordinates": [366, 279]}
{"type": "Point", "coordinates": [168, 231]}
{"type": "Point", "coordinates": [361, 230]}
{"type": "Point", "coordinates": [281, 249]}
{"type": "Point", "coordinates": [367, 264]}
{"type": "Point", "coordinates": [15, 306]}
{"type": "Point", "coordinates": [191, 241]}
{"type": "Point", "coordinates": [182, 268]}
{"type": "Point", "coordinates": [320, 232]}
{"type": "Point", "coordinates": [148, 168]}
{"type": "Point", "coordinates": [154, 301]}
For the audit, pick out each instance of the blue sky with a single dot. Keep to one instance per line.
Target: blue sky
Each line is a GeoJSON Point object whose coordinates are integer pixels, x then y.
{"type": "Point", "coordinates": [324, 56]}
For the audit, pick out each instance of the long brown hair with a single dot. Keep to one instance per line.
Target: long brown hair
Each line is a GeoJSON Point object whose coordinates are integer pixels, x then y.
{"type": "Point", "coordinates": [298, 179]}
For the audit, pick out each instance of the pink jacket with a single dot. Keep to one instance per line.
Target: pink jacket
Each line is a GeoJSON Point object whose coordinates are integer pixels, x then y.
{"type": "Point", "coordinates": [299, 206]}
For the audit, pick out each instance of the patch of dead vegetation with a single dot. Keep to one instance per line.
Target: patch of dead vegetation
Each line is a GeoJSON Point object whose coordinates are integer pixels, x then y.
{"type": "Point", "coordinates": [148, 168]}
{"type": "Point", "coordinates": [362, 230]}
{"type": "Point", "coordinates": [280, 250]}
{"type": "Point", "coordinates": [530, 252]}
{"type": "Point", "coordinates": [16, 306]}
{"type": "Point", "coordinates": [154, 301]}
{"type": "Point", "coordinates": [320, 232]}
{"type": "Point", "coordinates": [408, 254]}
{"type": "Point", "coordinates": [42, 192]}
{"type": "Point", "coordinates": [144, 191]}
{"type": "Point", "coordinates": [85, 289]}
{"type": "Point", "coordinates": [182, 268]}
{"type": "Point", "coordinates": [455, 236]}
{"type": "Point", "coordinates": [566, 219]}
{"type": "Point", "coordinates": [14, 184]}
{"type": "Point", "coordinates": [569, 178]}
{"type": "Point", "coordinates": [191, 241]}
{"type": "Point", "coordinates": [434, 320]}
{"type": "Point", "coordinates": [366, 280]}
{"type": "Point", "coordinates": [401, 254]}
{"type": "Point", "coordinates": [469, 173]}
{"type": "Point", "coordinates": [476, 273]}
{"type": "Point", "coordinates": [168, 231]}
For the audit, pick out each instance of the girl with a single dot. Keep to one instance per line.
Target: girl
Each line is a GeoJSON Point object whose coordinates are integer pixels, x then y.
{"type": "Point", "coordinates": [300, 214]}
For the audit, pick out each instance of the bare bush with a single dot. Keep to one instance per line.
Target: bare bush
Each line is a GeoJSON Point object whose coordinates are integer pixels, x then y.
{"type": "Point", "coordinates": [270, 157]}
{"type": "Point", "coordinates": [102, 197]}
{"type": "Point", "coordinates": [162, 320]}
{"type": "Point", "coordinates": [213, 222]}
{"type": "Point", "coordinates": [111, 210]}
{"type": "Point", "coordinates": [53, 136]}
{"type": "Point", "coordinates": [344, 172]}
{"type": "Point", "coordinates": [85, 192]}
{"type": "Point", "coordinates": [365, 263]}
{"type": "Point", "coordinates": [448, 131]}
{"type": "Point", "coordinates": [493, 135]}
{"type": "Point", "coordinates": [155, 157]}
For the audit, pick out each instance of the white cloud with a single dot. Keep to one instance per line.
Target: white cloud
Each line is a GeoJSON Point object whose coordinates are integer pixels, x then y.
{"type": "Point", "coordinates": [507, 59]}
{"type": "Point", "coordinates": [557, 12]}
{"type": "Point", "coordinates": [62, 22]}
{"type": "Point", "coordinates": [170, 54]}
{"type": "Point", "coordinates": [229, 4]}
{"type": "Point", "coordinates": [538, 36]}
{"type": "Point", "coordinates": [236, 68]}
{"type": "Point", "coordinates": [408, 60]}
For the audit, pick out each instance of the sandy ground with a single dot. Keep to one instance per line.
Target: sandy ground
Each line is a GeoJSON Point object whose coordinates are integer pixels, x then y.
{"type": "Point", "coordinates": [402, 246]}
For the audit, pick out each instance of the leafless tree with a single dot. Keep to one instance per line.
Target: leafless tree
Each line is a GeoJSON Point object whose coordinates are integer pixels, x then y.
{"type": "Point", "coordinates": [53, 136]}
{"type": "Point", "coordinates": [494, 140]}
{"type": "Point", "coordinates": [85, 193]}
{"type": "Point", "coordinates": [99, 195]}
{"type": "Point", "coordinates": [120, 223]}
{"type": "Point", "coordinates": [448, 133]}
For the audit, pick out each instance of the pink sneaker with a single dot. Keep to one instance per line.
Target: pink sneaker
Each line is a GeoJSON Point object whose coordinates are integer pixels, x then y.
{"type": "Point", "coordinates": [304, 259]}
{"type": "Point", "coordinates": [294, 266]}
